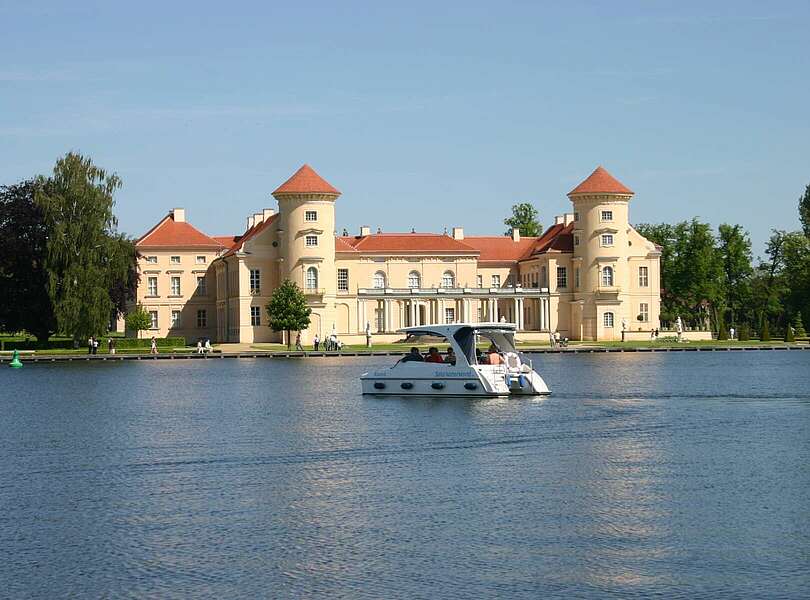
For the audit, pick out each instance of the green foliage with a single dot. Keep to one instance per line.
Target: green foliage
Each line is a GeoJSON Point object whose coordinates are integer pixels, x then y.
{"type": "Point", "coordinates": [24, 301]}
{"type": "Point", "coordinates": [745, 333]}
{"type": "Point", "coordinates": [167, 342]}
{"type": "Point", "coordinates": [524, 218]}
{"type": "Point", "coordinates": [722, 330]}
{"type": "Point", "coordinates": [735, 253]}
{"type": "Point", "coordinates": [765, 333]}
{"type": "Point", "coordinates": [789, 334]}
{"type": "Point", "coordinates": [799, 326]}
{"type": "Point", "coordinates": [287, 309]}
{"type": "Point", "coordinates": [804, 210]}
{"type": "Point", "coordinates": [138, 319]}
{"type": "Point", "coordinates": [85, 257]}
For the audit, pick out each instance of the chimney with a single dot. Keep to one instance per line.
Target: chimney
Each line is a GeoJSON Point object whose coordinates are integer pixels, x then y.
{"type": "Point", "coordinates": [365, 230]}
{"type": "Point", "coordinates": [179, 215]}
{"type": "Point", "coordinates": [250, 221]}
{"type": "Point", "coordinates": [559, 219]}
{"type": "Point", "coordinates": [258, 218]}
{"type": "Point", "coordinates": [458, 233]}
{"type": "Point", "coordinates": [515, 234]}
{"type": "Point", "coordinates": [569, 218]}
{"type": "Point", "coordinates": [267, 213]}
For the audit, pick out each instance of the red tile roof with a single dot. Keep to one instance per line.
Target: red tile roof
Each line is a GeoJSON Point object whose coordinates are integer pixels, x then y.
{"type": "Point", "coordinates": [251, 233]}
{"type": "Point", "coordinates": [407, 242]}
{"type": "Point", "coordinates": [601, 182]}
{"type": "Point", "coordinates": [341, 245]}
{"type": "Point", "coordinates": [227, 240]}
{"type": "Point", "coordinates": [169, 233]}
{"type": "Point", "coordinates": [306, 181]}
{"type": "Point", "coordinates": [500, 248]}
{"type": "Point", "coordinates": [557, 237]}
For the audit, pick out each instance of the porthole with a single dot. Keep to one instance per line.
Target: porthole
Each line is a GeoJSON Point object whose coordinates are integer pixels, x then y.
{"type": "Point", "coordinates": [437, 385]}
{"type": "Point", "coordinates": [471, 386]}
{"type": "Point", "coordinates": [379, 385]}
{"type": "Point", "coordinates": [406, 385]}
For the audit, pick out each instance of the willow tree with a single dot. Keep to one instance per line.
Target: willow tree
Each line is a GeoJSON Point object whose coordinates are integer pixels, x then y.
{"type": "Point", "coordinates": [85, 256]}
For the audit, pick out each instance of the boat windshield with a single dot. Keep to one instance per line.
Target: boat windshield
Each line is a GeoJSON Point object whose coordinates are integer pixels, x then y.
{"type": "Point", "coordinates": [473, 341]}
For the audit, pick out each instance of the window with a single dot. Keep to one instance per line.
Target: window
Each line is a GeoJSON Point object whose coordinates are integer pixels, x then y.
{"type": "Point", "coordinates": [200, 260]}
{"type": "Point", "coordinates": [154, 319]}
{"type": "Point", "coordinates": [479, 280]}
{"type": "Point", "coordinates": [175, 260]}
{"type": "Point", "coordinates": [201, 288]}
{"type": "Point", "coordinates": [379, 318]}
{"type": "Point", "coordinates": [152, 260]}
{"type": "Point", "coordinates": [152, 286]}
{"type": "Point", "coordinates": [643, 312]}
{"type": "Point", "coordinates": [576, 216]}
{"type": "Point", "coordinates": [643, 277]}
{"type": "Point", "coordinates": [576, 240]}
{"type": "Point", "coordinates": [255, 282]}
{"type": "Point", "coordinates": [202, 319]}
{"type": "Point", "coordinates": [414, 280]}
{"type": "Point", "coordinates": [562, 277]}
{"type": "Point", "coordinates": [449, 315]}
{"type": "Point", "coordinates": [311, 215]}
{"type": "Point", "coordinates": [312, 278]}
{"type": "Point", "coordinates": [175, 286]}
{"type": "Point", "coordinates": [576, 278]}
{"type": "Point", "coordinates": [607, 276]}
{"type": "Point", "coordinates": [607, 239]}
{"type": "Point", "coordinates": [255, 316]}
{"type": "Point", "coordinates": [175, 318]}
{"type": "Point", "coordinates": [496, 281]}
{"type": "Point", "coordinates": [607, 319]}
{"type": "Point", "coordinates": [343, 280]}
{"type": "Point", "coordinates": [607, 215]}
{"type": "Point", "coordinates": [448, 280]}
{"type": "Point", "coordinates": [379, 281]}
{"type": "Point", "coordinates": [311, 241]}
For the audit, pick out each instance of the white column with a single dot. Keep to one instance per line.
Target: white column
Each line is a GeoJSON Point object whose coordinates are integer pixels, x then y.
{"type": "Point", "coordinates": [412, 311]}
{"type": "Point", "coordinates": [495, 310]}
{"type": "Point", "coordinates": [387, 314]}
{"type": "Point", "coordinates": [360, 320]}
{"type": "Point", "coordinates": [517, 313]}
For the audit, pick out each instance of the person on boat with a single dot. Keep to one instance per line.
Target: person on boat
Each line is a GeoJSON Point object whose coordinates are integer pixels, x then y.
{"type": "Point", "coordinates": [413, 356]}
{"type": "Point", "coordinates": [450, 359]}
{"type": "Point", "coordinates": [434, 356]}
{"type": "Point", "coordinates": [493, 355]}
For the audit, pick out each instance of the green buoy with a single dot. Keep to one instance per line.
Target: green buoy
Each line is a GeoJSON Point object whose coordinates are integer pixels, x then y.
{"type": "Point", "coordinates": [15, 361]}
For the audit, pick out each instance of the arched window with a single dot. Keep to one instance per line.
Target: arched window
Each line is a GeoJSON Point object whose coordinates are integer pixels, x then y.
{"type": "Point", "coordinates": [607, 277]}
{"type": "Point", "coordinates": [608, 319]}
{"type": "Point", "coordinates": [448, 279]}
{"type": "Point", "coordinates": [312, 278]}
{"type": "Point", "coordinates": [379, 280]}
{"type": "Point", "coordinates": [414, 281]}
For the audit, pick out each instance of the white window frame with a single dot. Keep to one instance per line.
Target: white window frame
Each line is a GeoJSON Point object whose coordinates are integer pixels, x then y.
{"type": "Point", "coordinates": [479, 279]}
{"type": "Point", "coordinates": [310, 216]}
{"type": "Point", "coordinates": [606, 240]}
{"type": "Point", "coordinates": [255, 281]}
{"type": "Point", "coordinates": [606, 216]}
{"type": "Point", "coordinates": [152, 286]}
{"type": "Point", "coordinates": [153, 318]}
{"type": "Point", "coordinates": [311, 241]}
{"type": "Point", "coordinates": [448, 279]}
{"type": "Point", "coordinates": [202, 287]}
{"type": "Point", "coordinates": [152, 260]}
{"type": "Point", "coordinates": [449, 315]}
{"type": "Point", "coordinates": [311, 278]}
{"type": "Point", "coordinates": [643, 276]}
{"type": "Point", "coordinates": [175, 318]}
{"type": "Point", "coordinates": [414, 280]}
{"type": "Point", "coordinates": [202, 318]}
{"type": "Point", "coordinates": [496, 281]}
{"type": "Point", "coordinates": [343, 280]}
{"type": "Point", "coordinates": [175, 260]}
{"type": "Point", "coordinates": [200, 259]}
{"type": "Point", "coordinates": [255, 316]}
{"type": "Point", "coordinates": [608, 320]}
{"type": "Point", "coordinates": [378, 280]}
{"type": "Point", "coordinates": [562, 276]}
{"type": "Point", "coordinates": [176, 285]}
{"type": "Point", "coordinates": [608, 276]}
{"type": "Point", "coordinates": [644, 311]}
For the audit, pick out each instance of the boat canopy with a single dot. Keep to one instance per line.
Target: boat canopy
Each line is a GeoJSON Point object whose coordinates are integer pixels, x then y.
{"type": "Point", "coordinates": [463, 336]}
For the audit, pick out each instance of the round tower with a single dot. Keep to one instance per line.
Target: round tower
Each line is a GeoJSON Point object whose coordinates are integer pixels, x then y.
{"type": "Point", "coordinates": [601, 228]}
{"type": "Point", "coordinates": [306, 205]}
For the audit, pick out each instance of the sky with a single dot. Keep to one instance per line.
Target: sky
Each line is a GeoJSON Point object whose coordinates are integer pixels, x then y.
{"type": "Point", "coordinates": [424, 115]}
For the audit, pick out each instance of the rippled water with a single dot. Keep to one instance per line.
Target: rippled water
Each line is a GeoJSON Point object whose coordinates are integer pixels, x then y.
{"type": "Point", "coordinates": [670, 475]}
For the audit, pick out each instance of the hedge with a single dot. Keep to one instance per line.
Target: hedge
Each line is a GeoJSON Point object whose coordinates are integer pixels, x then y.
{"type": "Point", "coordinates": [169, 342]}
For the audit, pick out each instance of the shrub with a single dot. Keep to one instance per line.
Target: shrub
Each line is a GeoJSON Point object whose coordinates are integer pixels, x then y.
{"type": "Point", "coordinates": [799, 326]}
{"type": "Point", "coordinates": [138, 320]}
{"type": "Point", "coordinates": [168, 342]}
{"type": "Point", "coordinates": [765, 334]}
{"type": "Point", "coordinates": [789, 336]}
{"type": "Point", "coordinates": [722, 330]}
{"type": "Point", "coordinates": [745, 332]}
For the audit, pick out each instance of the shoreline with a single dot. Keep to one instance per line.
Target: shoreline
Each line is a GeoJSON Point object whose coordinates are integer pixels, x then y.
{"type": "Point", "coordinates": [79, 357]}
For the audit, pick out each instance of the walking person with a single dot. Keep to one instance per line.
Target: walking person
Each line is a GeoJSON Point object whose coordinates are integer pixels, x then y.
{"type": "Point", "coordinates": [316, 342]}
{"type": "Point", "coordinates": [298, 345]}
{"type": "Point", "coordinates": [153, 346]}
{"type": "Point", "coordinates": [90, 345]}
{"type": "Point", "coordinates": [95, 345]}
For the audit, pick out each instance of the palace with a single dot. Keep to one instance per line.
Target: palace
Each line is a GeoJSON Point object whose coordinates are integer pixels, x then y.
{"type": "Point", "coordinates": [589, 276]}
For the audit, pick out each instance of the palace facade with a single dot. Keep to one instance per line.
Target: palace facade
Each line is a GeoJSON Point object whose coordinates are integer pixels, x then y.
{"type": "Point", "coordinates": [588, 276]}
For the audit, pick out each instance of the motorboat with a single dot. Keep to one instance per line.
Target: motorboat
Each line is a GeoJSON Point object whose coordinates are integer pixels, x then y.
{"type": "Point", "coordinates": [499, 370]}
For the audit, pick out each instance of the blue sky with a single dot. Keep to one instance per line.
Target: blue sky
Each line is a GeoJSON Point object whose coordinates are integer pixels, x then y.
{"type": "Point", "coordinates": [424, 115]}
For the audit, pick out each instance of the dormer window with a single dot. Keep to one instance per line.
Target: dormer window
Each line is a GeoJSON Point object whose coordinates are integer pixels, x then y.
{"type": "Point", "coordinates": [607, 215]}
{"type": "Point", "coordinates": [311, 215]}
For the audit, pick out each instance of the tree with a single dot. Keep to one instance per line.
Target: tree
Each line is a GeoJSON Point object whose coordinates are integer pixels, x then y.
{"type": "Point", "coordinates": [804, 210]}
{"type": "Point", "coordinates": [799, 326]}
{"type": "Point", "coordinates": [138, 320]}
{"type": "Point", "coordinates": [735, 254]}
{"type": "Point", "coordinates": [24, 301]}
{"type": "Point", "coordinates": [789, 335]}
{"type": "Point", "coordinates": [765, 334]}
{"type": "Point", "coordinates": [287, 309]}
{"type": "Point", "coordinates": [122, 291]}
{"type": "Point", "coordinates": [84, 253]}
{"type": "Point", "coordinates": [524, 218]}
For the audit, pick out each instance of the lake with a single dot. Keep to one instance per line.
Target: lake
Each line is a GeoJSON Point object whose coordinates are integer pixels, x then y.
{"type": "Point", "coordinates": [682, 475]}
